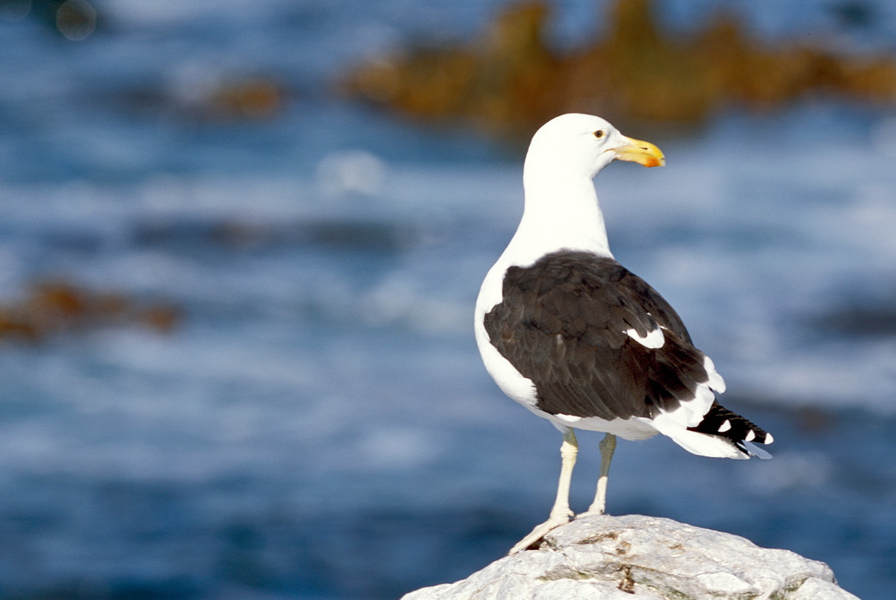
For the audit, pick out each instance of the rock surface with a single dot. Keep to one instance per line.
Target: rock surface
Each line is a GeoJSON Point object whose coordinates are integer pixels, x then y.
{"type": "Point", "coordinates": [633, 556]}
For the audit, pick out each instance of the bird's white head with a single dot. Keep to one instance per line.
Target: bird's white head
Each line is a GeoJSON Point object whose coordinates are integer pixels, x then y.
{"type": "Point", "coordinates": [561, 204]}
{"type": "Point", "coordinates": [585, 144]}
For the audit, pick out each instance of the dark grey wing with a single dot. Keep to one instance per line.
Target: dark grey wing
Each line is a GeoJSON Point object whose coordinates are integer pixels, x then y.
{"type": "Point", "coordinates": [649, 300]}
{"type": "Point", "coordinates": [562, 324]}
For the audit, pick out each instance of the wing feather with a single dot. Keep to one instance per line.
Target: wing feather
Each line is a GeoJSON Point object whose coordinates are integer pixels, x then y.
{"type": "Point", "coordinates": [563, 324]}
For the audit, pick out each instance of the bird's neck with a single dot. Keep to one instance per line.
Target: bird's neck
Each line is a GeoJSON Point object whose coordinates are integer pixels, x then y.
{"type": "Point", "coordinates": [561, 213]}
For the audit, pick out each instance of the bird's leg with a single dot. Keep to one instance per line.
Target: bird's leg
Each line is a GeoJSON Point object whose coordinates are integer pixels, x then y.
{"type": "Point", "coordinates": [560, 513]}
{"type": "Point", "coordinates": [607, 447]}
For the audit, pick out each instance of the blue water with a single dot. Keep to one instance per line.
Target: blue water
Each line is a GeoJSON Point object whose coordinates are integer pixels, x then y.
{"type": "Point", "coordinates": [319, 424]}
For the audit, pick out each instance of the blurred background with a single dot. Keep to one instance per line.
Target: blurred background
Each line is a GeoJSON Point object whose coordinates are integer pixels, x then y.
{"type": "Point", "coordinates": [240, 244]}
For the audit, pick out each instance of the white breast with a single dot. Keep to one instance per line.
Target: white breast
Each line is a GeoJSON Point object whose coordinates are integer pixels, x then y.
{"type": "Point", "coordinates": [505, 374]}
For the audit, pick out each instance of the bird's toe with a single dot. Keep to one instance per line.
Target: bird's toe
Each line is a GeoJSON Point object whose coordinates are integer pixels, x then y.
{"type": "Point", "coordinates": [539, 532]}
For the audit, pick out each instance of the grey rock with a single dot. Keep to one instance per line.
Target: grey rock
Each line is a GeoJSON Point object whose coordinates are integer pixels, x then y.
{"type": "Point", "coordinates": [635, 557]}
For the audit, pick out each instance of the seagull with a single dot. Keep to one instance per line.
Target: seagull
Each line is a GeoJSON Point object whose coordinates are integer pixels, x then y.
{"type": "Point", "coordinates": [579, 340]}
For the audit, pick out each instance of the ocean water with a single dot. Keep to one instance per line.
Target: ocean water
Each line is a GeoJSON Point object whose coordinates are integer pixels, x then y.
{"type": "Point", "coordinates": [318, 424]}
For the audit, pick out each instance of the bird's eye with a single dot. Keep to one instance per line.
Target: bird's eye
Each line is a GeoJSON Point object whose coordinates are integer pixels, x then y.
{"type": "Point", "coordinates": [599, 133]}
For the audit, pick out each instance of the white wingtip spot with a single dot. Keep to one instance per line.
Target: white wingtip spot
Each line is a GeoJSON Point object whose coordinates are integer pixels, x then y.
{"type": "Point", "coordinates": [768, 438]}
{"type": "Point", "coordinates": [725, 426]}
{"type": "Point", "coordinates": [654, 339]}
{"type": "Point", "coordinates": [751, 435]}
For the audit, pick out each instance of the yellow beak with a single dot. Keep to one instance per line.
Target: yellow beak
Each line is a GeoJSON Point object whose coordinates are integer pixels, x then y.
{"type": "Point", "coordinates": [643, 153]}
